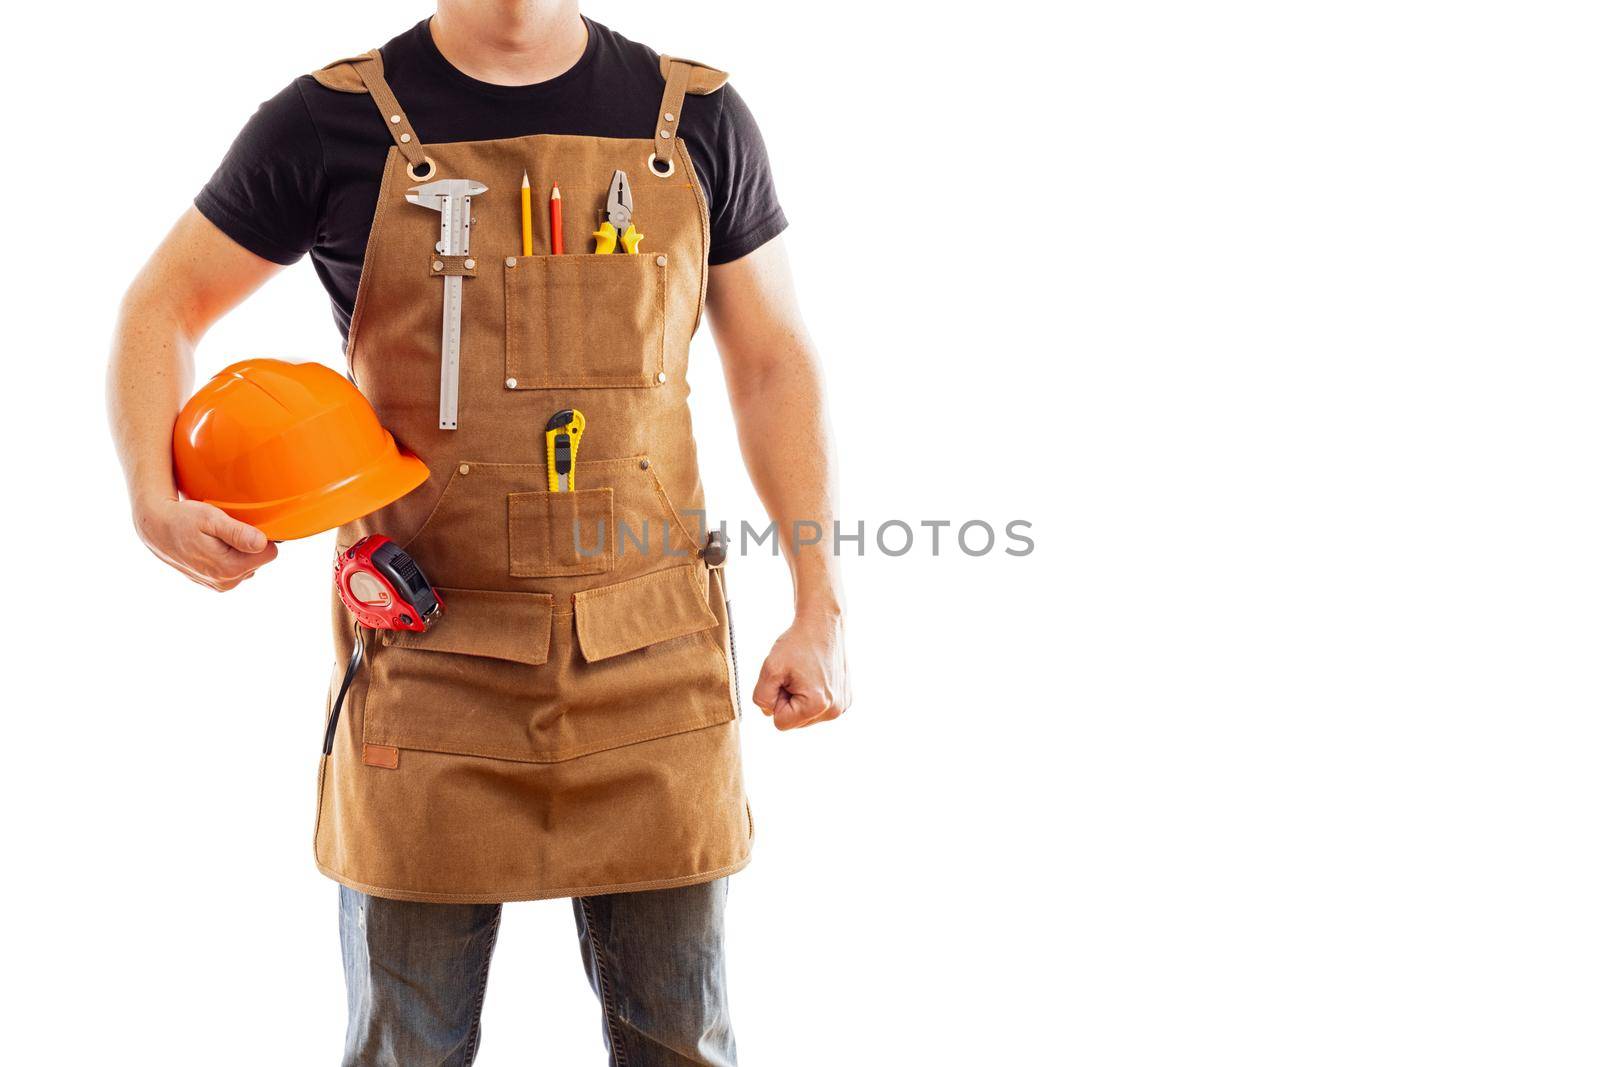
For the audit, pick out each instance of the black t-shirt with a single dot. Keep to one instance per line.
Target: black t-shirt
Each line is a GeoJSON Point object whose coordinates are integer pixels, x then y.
{"type": "Point", "coordinates": [304, 173]}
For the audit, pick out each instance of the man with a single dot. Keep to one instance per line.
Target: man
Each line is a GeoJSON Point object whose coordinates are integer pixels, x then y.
{"type": "Point", "coordinates": [324, 168]}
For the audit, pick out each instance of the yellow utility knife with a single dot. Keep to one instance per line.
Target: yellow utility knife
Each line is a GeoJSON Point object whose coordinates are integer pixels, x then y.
{"type": "Point", "coordinates": [561, 436]}
{"type": "Point", "coordinates": [617, 226]}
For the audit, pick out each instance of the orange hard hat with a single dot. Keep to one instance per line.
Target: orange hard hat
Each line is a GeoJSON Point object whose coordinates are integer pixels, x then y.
{"type": "Point", "coordinates": [290, 448]}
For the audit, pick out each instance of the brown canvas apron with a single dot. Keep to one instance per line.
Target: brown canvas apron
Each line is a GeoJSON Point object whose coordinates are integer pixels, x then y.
{"type": "Point", "coordinates": [569, 725]}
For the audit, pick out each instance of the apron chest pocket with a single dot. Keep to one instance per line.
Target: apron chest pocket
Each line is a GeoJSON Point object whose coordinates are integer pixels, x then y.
{"type": "Point", "coordinates": [585, 321]}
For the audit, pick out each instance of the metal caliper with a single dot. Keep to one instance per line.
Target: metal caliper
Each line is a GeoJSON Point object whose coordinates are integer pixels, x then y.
{"type": "Point", "coordinates": [452, 199]}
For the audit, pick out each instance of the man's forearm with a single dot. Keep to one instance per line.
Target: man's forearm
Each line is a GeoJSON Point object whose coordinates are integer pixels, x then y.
{"type": "Point", "coordinates": [788, 448]}
{"type": "Point", "coordinates": [191, 281]}
{"type": "Point", "coordinates": [152, 365]}
{"type": "Point", "coordinates": [775, 384]}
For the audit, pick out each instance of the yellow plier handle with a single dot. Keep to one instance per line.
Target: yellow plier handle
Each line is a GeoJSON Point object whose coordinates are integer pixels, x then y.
{"type": "Point", "coordinates": [606, 240]}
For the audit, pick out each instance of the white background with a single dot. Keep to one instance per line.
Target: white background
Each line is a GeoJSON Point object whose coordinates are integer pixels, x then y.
{"type": "Point", "coordinates": [1278, 321]}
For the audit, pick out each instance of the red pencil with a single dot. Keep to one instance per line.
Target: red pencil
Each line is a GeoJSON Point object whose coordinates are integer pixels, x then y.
{"type": "Point", "coordinates": [556, 247]}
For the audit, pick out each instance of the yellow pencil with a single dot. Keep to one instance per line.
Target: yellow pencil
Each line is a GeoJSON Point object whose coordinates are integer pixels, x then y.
{"type": "Point", "coordinates": [527, 216]}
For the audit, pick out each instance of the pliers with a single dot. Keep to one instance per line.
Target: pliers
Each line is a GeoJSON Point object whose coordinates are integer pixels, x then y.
{"type": "Point", "coordinates": [617, 226]}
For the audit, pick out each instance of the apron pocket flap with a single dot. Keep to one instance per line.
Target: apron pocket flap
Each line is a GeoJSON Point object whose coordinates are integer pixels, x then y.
{"type": "Point", "coordinates": [630, 615]}
{"type": "Point", "coordinates": [481, 622]}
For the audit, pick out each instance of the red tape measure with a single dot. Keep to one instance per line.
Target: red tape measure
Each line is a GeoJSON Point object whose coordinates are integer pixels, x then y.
{"type": "Point", "coordinates": [384, 588]}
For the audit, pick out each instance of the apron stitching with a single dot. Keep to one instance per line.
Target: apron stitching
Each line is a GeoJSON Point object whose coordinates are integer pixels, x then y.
{"type": "Point", "coordinates": [661, 313]}
{"type": "Point", "coordinates": [672, 509]}
{"type": "Point", "coordinates": [437, 504]}
{"type": "Point", "coordinates": [705, 229]}
{"type": "Point", "coordinates": [322, 780]}
{"type": "Point", "coordinates": [622, 586]}
{"type": "Point", "coordinates": [500, 896]}
{"type": "Point", "coordinates": [559, 755]}
{"type": "Point", "coordinates": [614, 461]}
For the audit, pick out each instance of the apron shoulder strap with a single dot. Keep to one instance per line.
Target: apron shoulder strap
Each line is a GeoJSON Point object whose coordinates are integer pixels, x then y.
{"type": "Point", "coordinates": [364, 74]}
{"type": "Point", "coordinates": [703, 79]}
{"type": "Point", "coordinates": [683, 76]}
{"type": "Point", "coordinates": [341, 74]}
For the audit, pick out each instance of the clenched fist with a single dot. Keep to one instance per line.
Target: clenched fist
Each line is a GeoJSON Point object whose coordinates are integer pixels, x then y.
{"type": "Point", "coordinates": [203, 542]}
{"type": "Point", "coordinates": [804, 680]}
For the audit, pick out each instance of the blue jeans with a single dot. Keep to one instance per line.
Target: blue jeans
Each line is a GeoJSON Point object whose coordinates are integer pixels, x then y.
{"type": "Point", "coordinates": [416, 975]}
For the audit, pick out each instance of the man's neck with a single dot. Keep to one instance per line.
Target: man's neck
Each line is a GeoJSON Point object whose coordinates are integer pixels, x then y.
{"type": "Point", "coordinates": [510, 42]}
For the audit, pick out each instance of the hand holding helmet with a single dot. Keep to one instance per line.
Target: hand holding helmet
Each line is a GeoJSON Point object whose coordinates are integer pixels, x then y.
{"type": "Point", "coordinates": [271, 451]}
{"type": "Point", "coordinates": [203, 542]}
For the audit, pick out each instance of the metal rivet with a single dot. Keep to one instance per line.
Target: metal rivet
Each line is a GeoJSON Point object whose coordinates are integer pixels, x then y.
{"type": "Point", "coordinates": [667, 115]}
{"type": "Point", "coordinates": [661, 376]}
{"type": "Point", "coordinates": [511, 383]}
{"type": "Point", "coordinates": [666, 134]}
{"type": "Point", "coordinates": [405, 138]}
{"type": "Point", "coordinates": [437, 265]}
{"type": "Point", "coordinates": [395, 119]}
{"type": "Point", "coordinates": [464, 469]}
{"type": "Point", "coordinates": [661, 261]}
{"type": "Point", "coordinates": [472, 264]}
{"type": "Point", "coordinates": [511, 261]}
{"type": "Point", "coordinates": [644, 464]}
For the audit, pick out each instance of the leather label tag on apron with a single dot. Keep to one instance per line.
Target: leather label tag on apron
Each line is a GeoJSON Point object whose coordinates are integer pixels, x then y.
{"type": "Point", "coordinates": [380, 756]}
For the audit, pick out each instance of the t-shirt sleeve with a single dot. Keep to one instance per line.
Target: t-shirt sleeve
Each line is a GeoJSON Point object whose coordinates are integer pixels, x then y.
{"type": "Point", "coordinates": [745, 213]}
{"type": "Point", "coordinates": [267, 193]}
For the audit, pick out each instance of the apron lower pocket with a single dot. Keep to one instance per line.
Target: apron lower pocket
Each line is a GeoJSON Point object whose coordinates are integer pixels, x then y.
{"type": "Point", "coordinates": [631, 615]}
{"type": "Point", "coordinates": [505, 675]}
{"type": "Point", "coordinates": [553, 535]}
{"type": "Point", "coordinates": [494, 521]}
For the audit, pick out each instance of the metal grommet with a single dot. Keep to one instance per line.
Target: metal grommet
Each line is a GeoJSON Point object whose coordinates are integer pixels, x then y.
{"type": "Point", "coordinates": [471, 264]}
{"type": "Point", "coordinates": [666, 135]}
{"type": "Point", "coordinates": [666, 116]}
{"type": "Point", "coordinates": [438, 264]}
{"type": "Point", "coordinates": [464, 469]}
{"type": "Point", "coordinates": [405, 138]}
{"type": "Point", "coordinates": [433, 168]}
{"type": "Point", "coordinates": [395, 119]}
{"type": "Point", "coordinates": [651, 163]}
{"type": "Point", "coordinates": [661, 261]}
{"type": "Point", "coordinates": [511, 261]}
{"type": "Point", "coordinates": [661, 376]}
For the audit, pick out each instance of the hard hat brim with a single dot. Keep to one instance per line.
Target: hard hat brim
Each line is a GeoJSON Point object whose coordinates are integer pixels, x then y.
{"type": "Point", "coordinates": [334, 505]}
